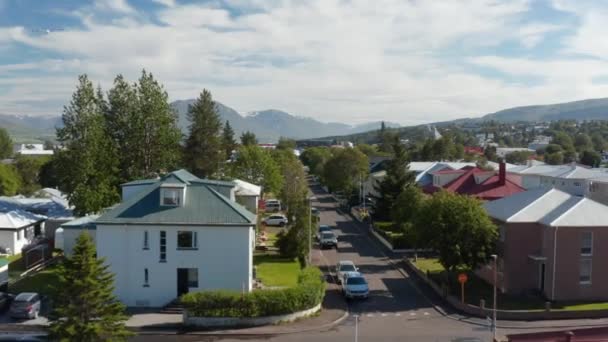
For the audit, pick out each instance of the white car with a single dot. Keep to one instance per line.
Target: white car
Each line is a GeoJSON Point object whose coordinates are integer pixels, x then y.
{"type": "Point", "coordinates": [354, 285]}
{"type": "Point", "coordinates": [273, 205]}
{"type": "Point", "coordinates": [276, 220]}
{"type": "Point", "coordinates": [328, 240]}
{"type": "Point", "coordinates": [322, 228]}
{"type": "Point", "coordinates": [343, 267]}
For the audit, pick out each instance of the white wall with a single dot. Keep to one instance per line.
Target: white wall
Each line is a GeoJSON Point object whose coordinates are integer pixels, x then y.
{"type": "Point", "coordinates": [17, 239]}
{"type": "Point", "coordinates": [69, 238]}
{"type": "Point", "coordinates": [223, 259]}
{"type": "Point", "coordinates": [8, 239]}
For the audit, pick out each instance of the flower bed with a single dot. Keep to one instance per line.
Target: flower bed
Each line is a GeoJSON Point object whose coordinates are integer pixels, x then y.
{"type": "Point", "coordinates": [307, 294]}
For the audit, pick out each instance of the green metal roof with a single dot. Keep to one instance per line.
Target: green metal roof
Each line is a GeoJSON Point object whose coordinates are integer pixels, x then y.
{"type": "Point", "coordinates": [204, 204]}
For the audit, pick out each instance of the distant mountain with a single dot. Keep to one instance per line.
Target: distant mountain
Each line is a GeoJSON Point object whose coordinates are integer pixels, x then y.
{"type": "Point", "coordinates": [269, 125]}
{"type": "Point", "coordinates": [26, 128]}
{"type": "Point", "coordinates": [592, 109]}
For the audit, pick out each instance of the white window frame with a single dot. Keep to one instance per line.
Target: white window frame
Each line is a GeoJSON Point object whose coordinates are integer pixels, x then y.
{"type": "Point", "coordinates": [194, 240]}
{"type": "Point", "coordinates": [580, 274]}
{"type": "Point", "coordinates": [590, 247]}
{"type": "Point", "coordinates": [178, 194]}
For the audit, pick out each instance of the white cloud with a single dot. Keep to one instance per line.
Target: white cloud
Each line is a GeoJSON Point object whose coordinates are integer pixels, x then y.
{"type": "Point", "coordinates": [120, 6]}
{"type": "Point", "coordinates": [168, 3]}
{"type": "Point", "coordinates": [334, 60]}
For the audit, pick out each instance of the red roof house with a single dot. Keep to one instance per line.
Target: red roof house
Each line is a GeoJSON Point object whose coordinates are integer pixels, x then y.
{"type": "Point", "coordinates": [473, 181]}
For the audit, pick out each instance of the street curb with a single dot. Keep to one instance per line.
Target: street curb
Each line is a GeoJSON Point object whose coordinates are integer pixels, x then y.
{"type": "Point", "coordinates": [323, 327]}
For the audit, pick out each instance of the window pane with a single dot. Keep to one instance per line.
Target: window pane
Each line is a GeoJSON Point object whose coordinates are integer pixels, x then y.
{"type": "Point", "coordinates": [185, 240]}
{"type": "Point", "coordinates": [586, 243]}
{"type": "Point", "coordinates": [585, 271]}
{"type": "Point", "coordinates": [193, 277]}
{"type": "Point", "coordinates": [163, 245]}
{"type": "Point", "coordinates": [146, 239]}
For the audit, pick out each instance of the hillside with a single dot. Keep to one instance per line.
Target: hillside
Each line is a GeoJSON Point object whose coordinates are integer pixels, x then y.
{"type": "Point", "coordinates": [592, 109]}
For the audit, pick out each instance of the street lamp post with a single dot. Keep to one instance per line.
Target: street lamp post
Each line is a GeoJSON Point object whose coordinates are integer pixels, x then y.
{"type": "Point", "coordinates": [495, 258]}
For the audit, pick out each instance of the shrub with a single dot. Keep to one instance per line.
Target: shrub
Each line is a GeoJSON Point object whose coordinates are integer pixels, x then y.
{"type": "Point", "coordinates": [385, 226]}
{"type": "Point", "coordinates": [307, 294]}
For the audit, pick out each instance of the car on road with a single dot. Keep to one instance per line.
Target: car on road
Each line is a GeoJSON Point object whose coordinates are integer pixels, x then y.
{"type": "Point", "coordinates": [276, 220]}
{"type": "Point", "coordinates": [315, 212]}
{"type": "Point", "coordinates": [322, 228]}
{"type": "Point", "coordinates": [343, 267]}
{"type": "Point", "coordinates": [26, 305]}
{"type": "Point", "coordinates": [328, 240]}
{"type": "Point", "coordinates": [354, 285]}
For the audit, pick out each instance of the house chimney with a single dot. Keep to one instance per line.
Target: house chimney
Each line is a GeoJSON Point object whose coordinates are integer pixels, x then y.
{"type": "Point", "coordinates": [502, 173]}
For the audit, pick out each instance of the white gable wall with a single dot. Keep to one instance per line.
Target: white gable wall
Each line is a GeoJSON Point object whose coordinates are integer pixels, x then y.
{"type": "Point", "coordinates": [223, 260]}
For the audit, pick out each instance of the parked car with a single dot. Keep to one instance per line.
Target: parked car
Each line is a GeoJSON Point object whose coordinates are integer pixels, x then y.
{"type": "Point", "coordinates": [273, 205]}
{"type": "Point", "coordinates": [314, 211]}
{"type": "Point", "coordinates": [275, 220]}
{"type": "Point", "coordinates": [354, 285]}
{"type": "Point", "coordinates": [26, 305]}
{"type": "Point", "coordinates": [328, 240]}
{"type": "Point", "coordinates": [5, 300]}
{"type": "Point", "coordinates": [322, 228]}
{"type": "Point", "coordinates": [343, 267]}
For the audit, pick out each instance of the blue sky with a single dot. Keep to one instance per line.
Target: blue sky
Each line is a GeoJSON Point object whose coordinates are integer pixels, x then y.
{"type": "Point", "coordinates": [334, 60]}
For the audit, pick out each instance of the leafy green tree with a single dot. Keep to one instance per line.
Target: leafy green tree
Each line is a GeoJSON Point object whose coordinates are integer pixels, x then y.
{"type": "Point", "coordinates": [570, 155]}
{"type": "Point", "coordinates": [87, 163]}
{"type": "Point", "coordinates": [294, 243]}
{"type": "Point", "coordinates": [345, 169]}
{"type": "Point", "coordinates": [248, 138]}
{"type": "Point", "coordinates": [556, 158]}
{"type": "Point", "coordinates": [85, 308]}
{"type": "Point", "coordinates": [10, 182]}
{"type": "Point", "coordinates": [518, 157]}
{"type": "Point", "coordinates": [156, 137]}
{"type": "Point", "coordinates": [203, 153]}
{"type": "Point", "coordinates": [315, 158]}
{"type": "Point", "coordinates": [49, 145]}
{"type": "Point", "coordinates": [367, 149]}
{"type": "Point", "coordinates": [458, 228]}
{"type": "Point", "coordinates": [599, 143]}
{"type": "Point", "coordinates": [583, 142]}
{"type": "Point", "coordinates": [29, 169]}
{"type": "Point", "coordinates": [295, 188]}
{"type": "Point", "coordinates": [407, 205]}
{"type": "Point", "coordinates": [255, 165]}
{"type": "Point", "coordinates": [591, 158]}
{"type": "Point", "coordinates": [553, 148]}
{"type": "Point", "coordinates": [490, 153]}
{"type": "Point", "coordinates": [228, 142]}
{"type": "Point", "coordinates": [286, 144]}
{"type": "Point", "coordinates": [6, 144]}
{"type": "Point", "coordinates": [397, 178]}
{"type": "Point", "coordinates": [563, 139]}
{"type": "Point", "coordinates": [48, 176]}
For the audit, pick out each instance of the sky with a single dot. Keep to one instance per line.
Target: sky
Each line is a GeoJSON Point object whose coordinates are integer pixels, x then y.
{"type": "Point", "coordinates": [351, 61]}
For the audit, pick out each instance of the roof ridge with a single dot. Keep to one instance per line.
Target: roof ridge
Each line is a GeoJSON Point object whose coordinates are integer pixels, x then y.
{"type": "Point", "coordinates": [581, 200]}
{"type": "Point", "coordinates": [531, 203]}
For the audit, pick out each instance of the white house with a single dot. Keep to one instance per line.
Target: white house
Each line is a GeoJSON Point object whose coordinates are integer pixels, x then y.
{"type": "Point", "coordinates": [67, 233]}
{"type": "Point", "coordinates": [571, 178]}
{"type": "Point", "coordinates": [18, 228]}
{"type": "Point", "coordinates": [248, 195]}
{"type": "Point", "coordinates": [174, 235]}
{"type": "Point", "coordinates": [31, 150]}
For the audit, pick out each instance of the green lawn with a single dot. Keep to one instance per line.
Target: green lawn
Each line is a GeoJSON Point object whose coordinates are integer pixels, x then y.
{"type": "Point", "coordinates": [273, 270]}
{"type": "Point", "coordinates": [40, 282]}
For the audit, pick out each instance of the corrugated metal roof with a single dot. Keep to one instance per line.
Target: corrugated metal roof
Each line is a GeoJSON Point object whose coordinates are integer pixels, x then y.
{"type": "Point", "coordinates": [19, 218]}
{"type": "Point", "coordinates": [82, 222]}
{"type": "Point", "coordinates": [585, 213]}
{"type": "Point", "coordinates": [202, 205]}
{"type": "Point", "coordinates": [247, 189]}
{"type": "Point", "coordinates": [504, 208]}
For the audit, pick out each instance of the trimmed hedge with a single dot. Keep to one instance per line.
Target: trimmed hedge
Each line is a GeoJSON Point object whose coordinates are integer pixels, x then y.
{"type": "Point", "coordinates": [259, 303]}
{"type": "Point", "coordinates": [398, 238]}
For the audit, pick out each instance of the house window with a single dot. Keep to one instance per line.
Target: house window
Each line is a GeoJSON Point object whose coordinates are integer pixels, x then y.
{"type": "Point", "coordinates": [585, 271]}
{"type": "Point", "coordinates": [163, 246]}
{"type": "Point", "coordinates": [577, 183]}
{"type": "Point", "coordinates": [587, 244]}
{"type": "Point", "coordinates": [193, 277]}
{"type": "Point", "coordinates": [146, 278]}
{"type": "Point", "coordinates": [171, 196]}
{"type": "Point", "coordinates": [186, 240]}
{"type": "Point", "coordinates": [146, 246]}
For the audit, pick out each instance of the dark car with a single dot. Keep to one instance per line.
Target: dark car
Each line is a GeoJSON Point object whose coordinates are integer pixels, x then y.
{"type": "Point", "coordinates": [26, 305]}
{"type": "Point", "coordinates": [5, 300]}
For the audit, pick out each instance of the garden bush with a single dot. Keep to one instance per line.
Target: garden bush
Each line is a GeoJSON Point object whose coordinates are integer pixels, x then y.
{"type": "Point", "coordinates": [307, 294]}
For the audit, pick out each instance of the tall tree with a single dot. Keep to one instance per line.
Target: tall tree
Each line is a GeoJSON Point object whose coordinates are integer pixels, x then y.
{"type": "Point", "coordinates": [397, 178]}
{"type": "Point", "coordinates": [29, 169]}
{"type": "Point", "coordinates": [255, 165]}
{"type": "Point", "coordinates": [203, 153]}
{"type": "Point", "coordinates": [85, 308]}
{"type": "Point", "coordinates": [599, 143]}
{"type": "Point", "coordinates": [10, 182]}
{"type": "Point", "coordinates": [286, 144]}
{"type": "Point", "coordinates": [248, 138]}
{"type": "Point", "coordinates": [345, 169]}
{"type": "Point", "coordinates": [122, 118]}
{"type": "Point", "coordinates": [6, 144]}
{"type": "Point", "coordinates": [591, 158]}
{"type": "Point", "coordinates": [87, 163]}
{"type": "Point", "coordinates": [228, 141]}
{"type": "Point", "coordinates": [458, 228]}
{"type": "Point", "coordinates": [156, 137]}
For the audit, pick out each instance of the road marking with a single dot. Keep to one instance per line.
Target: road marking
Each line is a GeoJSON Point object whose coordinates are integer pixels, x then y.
{"type": "Point", "coordinates": [384, 315]}
{"type": "Point", "coordinates": [397, 314]}
{"type": "Point", "coordinates": [412, 314]}
{"type": "Point", "coordinates": [370, 315]}
{"type": "Point", "coordinates": [426, 313]}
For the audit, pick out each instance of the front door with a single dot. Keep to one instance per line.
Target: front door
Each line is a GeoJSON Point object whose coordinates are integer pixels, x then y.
{"type": "Point", "coordinates": [182, 281]}
{"type": "Point", "coordinates": [541, 285]}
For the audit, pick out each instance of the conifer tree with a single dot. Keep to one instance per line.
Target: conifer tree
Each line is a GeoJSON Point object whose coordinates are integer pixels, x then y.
{"type": "Point", "coordinates": [228, 141]}
{"type": "Point", "coordinates": [85, 308]}
{"type": "Point", "coordinates": [248, 138]}
{"type": "Point", "coordinates": [203, 153]}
